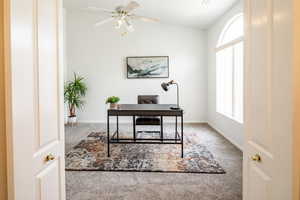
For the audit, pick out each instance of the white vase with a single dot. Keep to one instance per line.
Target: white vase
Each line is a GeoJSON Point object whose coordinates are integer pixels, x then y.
{"type": "Point", "coordinates": [72, 119]}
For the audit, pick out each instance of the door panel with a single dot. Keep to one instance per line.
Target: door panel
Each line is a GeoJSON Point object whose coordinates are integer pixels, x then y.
{"type": "Point", "coordinates": [259, 116]}
{"type": "Point", "coordinates": [260, 49]}
{"type": "Point", "coordinates": [49, 151]}
{"type": "Point", "coordinates": [47, 70]}
{"type": "Point", "coordinates": [259, 184]}
{"type": "Point", "coordinates": [268, 92]}
{"type": "Point", "coordinates": [48, 182]}
{"type": "Point", "coordinates": [37, 139]}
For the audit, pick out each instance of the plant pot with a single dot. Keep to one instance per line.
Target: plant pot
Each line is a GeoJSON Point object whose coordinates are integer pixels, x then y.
{"type": "Point", "coordinates": [72, 119]}
{"type": "Point", "coordinates": [113, 106]}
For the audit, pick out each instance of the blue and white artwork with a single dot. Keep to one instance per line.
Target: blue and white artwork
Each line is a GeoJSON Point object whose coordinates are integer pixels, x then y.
{"type": "Point", "coordinates": [148, 67]}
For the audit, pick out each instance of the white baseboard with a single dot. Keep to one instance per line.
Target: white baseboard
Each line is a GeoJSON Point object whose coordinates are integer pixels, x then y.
{"type": "Point", "coordinates": [228, 138]}
{"type": "Point", "coordinates": [127, 122]}
{"type": "Point", "coordinates": [186, 122]}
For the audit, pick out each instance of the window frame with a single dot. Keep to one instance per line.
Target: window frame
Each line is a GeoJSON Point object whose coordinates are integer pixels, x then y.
{"type": "Point", "coordinates": [221, 46]}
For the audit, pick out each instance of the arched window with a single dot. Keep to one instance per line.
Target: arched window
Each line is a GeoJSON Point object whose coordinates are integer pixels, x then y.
{"type": "Point", "coordinates": [230, 69]}
{"type": "Point", "coordinates": [233, 30]}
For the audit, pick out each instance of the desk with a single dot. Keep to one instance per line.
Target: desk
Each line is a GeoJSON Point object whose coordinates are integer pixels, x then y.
{"type": "Point", "coordinates": [134, 110]}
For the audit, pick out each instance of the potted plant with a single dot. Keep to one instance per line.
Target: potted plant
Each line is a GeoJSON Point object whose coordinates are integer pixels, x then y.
{"type": "Point", "coordinates": [113, 101]}
{"type": "Point", "coordinates": [74, 91]}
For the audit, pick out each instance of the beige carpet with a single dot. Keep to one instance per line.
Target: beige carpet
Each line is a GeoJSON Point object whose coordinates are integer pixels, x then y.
{"type": "Point", "coordinates": [100, 185]}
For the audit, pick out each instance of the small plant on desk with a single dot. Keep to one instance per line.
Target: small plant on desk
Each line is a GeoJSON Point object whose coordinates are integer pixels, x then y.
{"type": "Point", "coordinates": [113, 100]}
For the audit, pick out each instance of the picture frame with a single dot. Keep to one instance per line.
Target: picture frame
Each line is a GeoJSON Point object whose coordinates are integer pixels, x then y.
{"type": "Point", "coordinates": [144, 67]}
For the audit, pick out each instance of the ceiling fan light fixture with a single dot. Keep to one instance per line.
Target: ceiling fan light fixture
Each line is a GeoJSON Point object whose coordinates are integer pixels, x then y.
{"type": "Point", "coordinates": [129, 26]}
{"type": "Point", "coordinates": [119, 24]}
{"type": "Point", "coordinates": [205, 2]}
{"type": "Point", "coordinates": [122, 15]}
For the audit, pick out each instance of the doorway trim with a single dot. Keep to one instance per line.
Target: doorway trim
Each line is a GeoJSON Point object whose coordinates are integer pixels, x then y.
{"type": "Point", "coordinates": [8, 118]}
{"type": "Point", "coordinates": [296, 136]}
{"type": "Point", "coordinates": [7, 97]}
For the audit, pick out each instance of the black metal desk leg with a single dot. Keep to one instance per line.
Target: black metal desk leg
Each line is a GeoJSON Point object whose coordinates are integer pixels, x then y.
{"type": "Point", "coordinates": [134, 127]}
{"type": "Point", "coordinates": [161, 128]}
{"type": "Point", "coordinates": [108, 139]}
{"type": "Point", "coordinates": [176, 129]}
{"type": "Point", "coordinates": [118, 127]}
{"type": "Point", "coordinates": [182, 135]}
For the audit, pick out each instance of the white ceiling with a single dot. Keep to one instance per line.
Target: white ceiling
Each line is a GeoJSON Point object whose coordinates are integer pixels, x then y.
{"type": "Point", "coordinates": [182, 12]}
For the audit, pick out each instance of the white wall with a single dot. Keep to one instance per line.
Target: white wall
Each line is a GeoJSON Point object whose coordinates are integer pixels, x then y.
{"type": "Point", "coordinates": [229, 128]}
{"type": "Point", "coordinates": [99, 55]}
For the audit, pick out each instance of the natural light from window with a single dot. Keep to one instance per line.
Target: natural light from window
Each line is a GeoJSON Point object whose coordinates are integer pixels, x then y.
{"type": "Point", "coordinates": [230, 69]}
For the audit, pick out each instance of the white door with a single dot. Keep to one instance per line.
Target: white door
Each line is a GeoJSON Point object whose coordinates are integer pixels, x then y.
{"type": "Point", "coordinates": [36, 110]}
{"type": "Point", "coordinates": [268, 100]}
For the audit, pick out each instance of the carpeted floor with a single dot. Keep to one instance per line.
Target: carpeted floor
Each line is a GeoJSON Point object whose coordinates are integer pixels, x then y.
{"type": "Point", "coordinates": [96, 185]}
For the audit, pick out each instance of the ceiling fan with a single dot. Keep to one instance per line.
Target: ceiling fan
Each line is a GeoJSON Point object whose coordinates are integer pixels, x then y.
{"type": "Point", "coordinates": [122, 15]}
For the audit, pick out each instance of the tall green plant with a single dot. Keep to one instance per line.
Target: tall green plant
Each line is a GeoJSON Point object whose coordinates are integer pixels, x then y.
{"type": "Point", "coordinates": [74, 91]}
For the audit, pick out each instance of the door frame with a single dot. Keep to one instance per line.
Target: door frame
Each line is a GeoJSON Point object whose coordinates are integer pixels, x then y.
{"type": "Point", "coordinates": [296, 91]}
{"type": "Point", "coordinates": [3, 173]}
{"type": "Point", "coordinates": [7, 98]}
{"type": "Point", "coordinates": [8, 118]}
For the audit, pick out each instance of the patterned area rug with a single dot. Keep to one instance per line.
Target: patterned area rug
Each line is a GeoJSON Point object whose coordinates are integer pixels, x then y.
{"type": "Point", "coordinates": [90, 155]}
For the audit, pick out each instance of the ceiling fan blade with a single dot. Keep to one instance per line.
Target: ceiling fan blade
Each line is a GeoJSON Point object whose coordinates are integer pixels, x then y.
{"type": "Point", "coordinates": [103, 21]}
{"type": "Point", "coordinates": [131, 6]}
{"type": "Point", "coordinates": [95, 9]}
{"type": "Point", "coordinates": [143, 18]}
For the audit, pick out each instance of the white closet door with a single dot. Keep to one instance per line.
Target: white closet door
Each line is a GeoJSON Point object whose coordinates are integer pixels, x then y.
{"type": "Point", "coordinates": [37, 139]}
{"type": "Point", "coordinates": [268, 100]}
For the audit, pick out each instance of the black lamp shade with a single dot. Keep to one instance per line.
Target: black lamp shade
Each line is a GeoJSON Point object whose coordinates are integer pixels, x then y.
{"type": "Point", "coordinates": [165, 86]}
